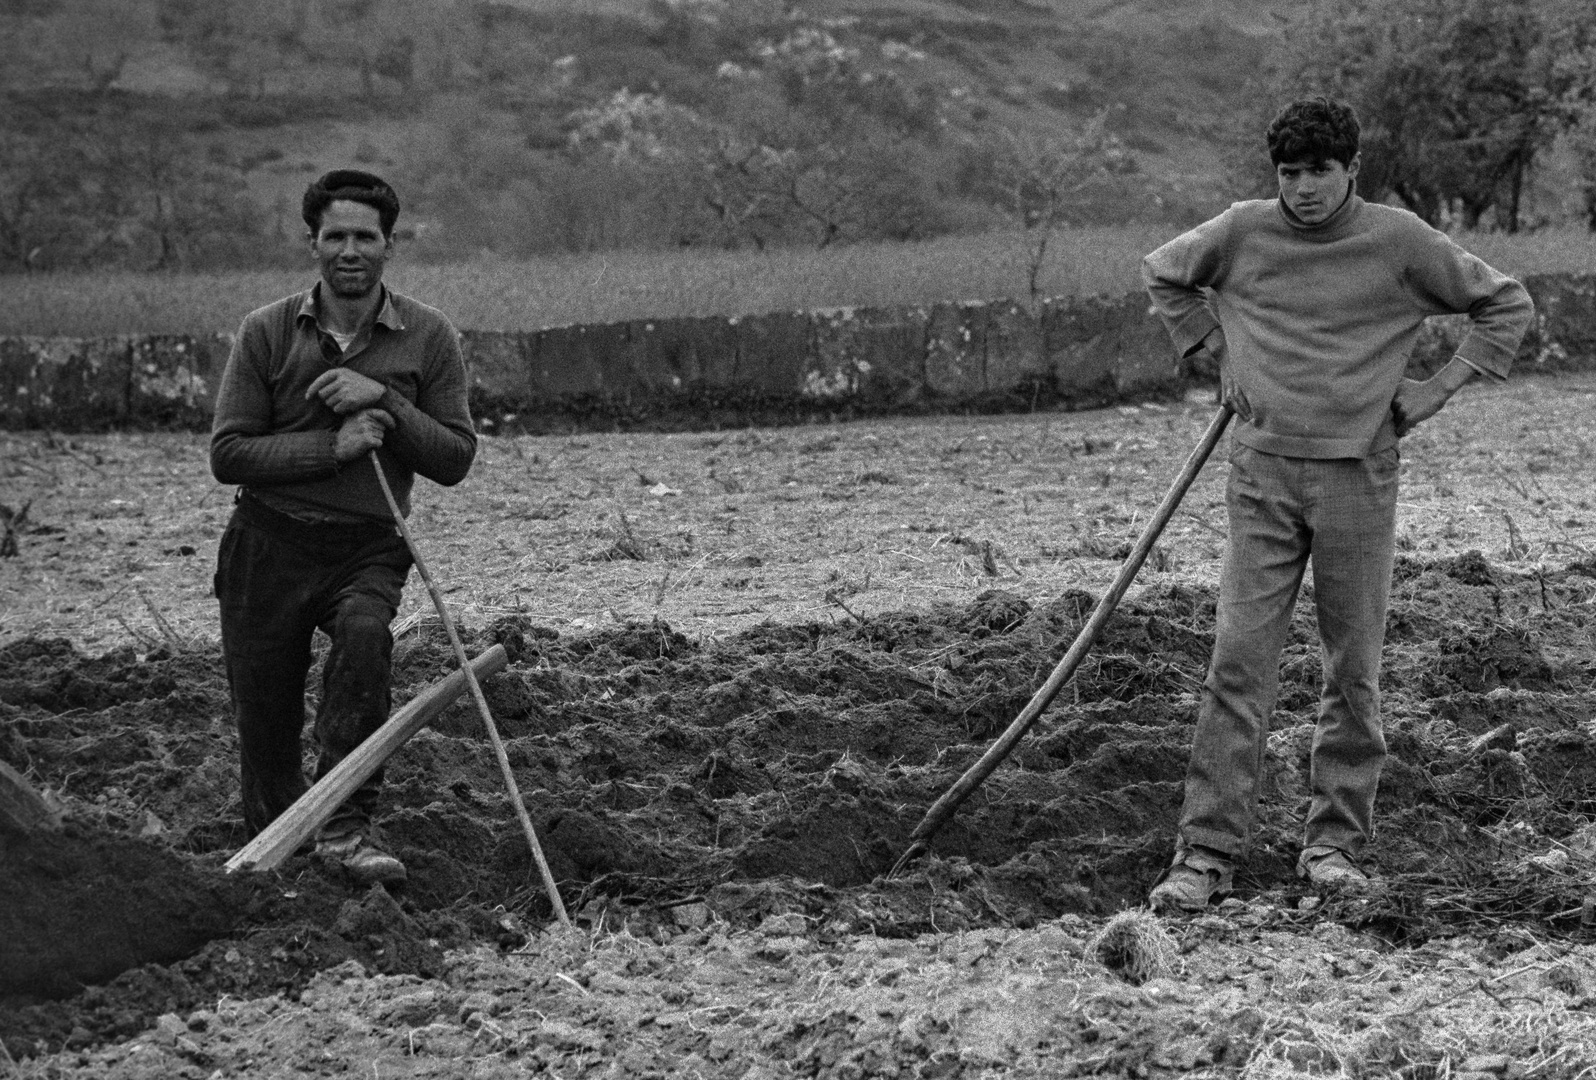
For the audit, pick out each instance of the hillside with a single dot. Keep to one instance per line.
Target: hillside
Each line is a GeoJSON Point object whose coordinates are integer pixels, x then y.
{"type": "Point", "coordinates": [569, 125]}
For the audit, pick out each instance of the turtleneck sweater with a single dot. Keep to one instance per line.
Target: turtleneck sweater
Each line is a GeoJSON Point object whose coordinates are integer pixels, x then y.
{"type": "Point", "coordinates": [1320, 320]}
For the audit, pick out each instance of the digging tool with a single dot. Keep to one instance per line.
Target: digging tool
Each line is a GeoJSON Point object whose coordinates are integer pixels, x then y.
{"type": "Point", "coordinates": [22, 809]}
{"type": "Point", "coordinates": [476, 694]}
{"type": "Point", "coordinates": [311, 810]}
{"type": "Point", "coordinates": [950, 801]}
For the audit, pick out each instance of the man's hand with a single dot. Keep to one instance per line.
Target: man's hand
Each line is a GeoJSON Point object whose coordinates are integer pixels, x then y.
{"type": "Point", "coordinates": [1229, 393]}
{"type": "Point", "coordinates": [344, 391]}
{"type": "Point", "coordinates": [361, 433]}
{"type": "Point", "coordinates": [1416, 401]}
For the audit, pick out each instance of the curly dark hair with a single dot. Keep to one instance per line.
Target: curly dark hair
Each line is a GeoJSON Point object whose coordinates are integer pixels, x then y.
{"type": "Point", "coordinates": [354, 186]}
{"type": "Point", "coordinates": [1314, 129]}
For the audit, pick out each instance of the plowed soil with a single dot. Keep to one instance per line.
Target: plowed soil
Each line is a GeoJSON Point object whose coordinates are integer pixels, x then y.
{"type": "Point", "coordinates": [721, 799]}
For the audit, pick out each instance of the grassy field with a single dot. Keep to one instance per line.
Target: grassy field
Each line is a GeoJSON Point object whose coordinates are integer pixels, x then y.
{"type": "Point", "coordinates": [501, 295]}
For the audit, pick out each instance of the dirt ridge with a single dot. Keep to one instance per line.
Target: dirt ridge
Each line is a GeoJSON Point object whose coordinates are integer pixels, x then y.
{"type": "Point", "coordinates": [781, 769]}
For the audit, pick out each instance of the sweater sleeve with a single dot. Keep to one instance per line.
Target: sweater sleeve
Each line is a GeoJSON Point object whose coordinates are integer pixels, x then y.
{"type": "Point", "coordinates": [243, 448]}
{"type": "Point", "coordinates": [1175, 276]}
{"type": "Point", "coordinates": [1443, 276]}
{"type": "Point", "coordinates": [434, 437]}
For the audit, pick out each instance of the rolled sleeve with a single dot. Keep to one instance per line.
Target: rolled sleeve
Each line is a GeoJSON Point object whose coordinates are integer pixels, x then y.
{"type": "Point", "coordinates": [1499, 308]}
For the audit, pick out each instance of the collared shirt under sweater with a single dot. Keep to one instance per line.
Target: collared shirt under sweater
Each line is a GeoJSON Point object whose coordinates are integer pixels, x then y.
{"type": "Point", "coordinates": [278, 445]}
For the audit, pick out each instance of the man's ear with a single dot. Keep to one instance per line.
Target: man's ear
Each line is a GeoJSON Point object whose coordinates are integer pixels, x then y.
{"type": "Point", "coordinates": [1352, 166]}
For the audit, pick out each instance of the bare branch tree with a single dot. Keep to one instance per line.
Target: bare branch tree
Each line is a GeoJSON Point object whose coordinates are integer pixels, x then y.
{"type": "Point", "coordinates": [1041, 176]}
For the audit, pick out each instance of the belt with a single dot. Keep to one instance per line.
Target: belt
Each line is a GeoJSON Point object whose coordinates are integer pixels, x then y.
{"type": "Point", "coordinates": [252, 511]}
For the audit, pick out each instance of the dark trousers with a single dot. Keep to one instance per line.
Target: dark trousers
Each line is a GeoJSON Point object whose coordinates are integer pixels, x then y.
{"type": "Point", "coordinates": [278, 580]}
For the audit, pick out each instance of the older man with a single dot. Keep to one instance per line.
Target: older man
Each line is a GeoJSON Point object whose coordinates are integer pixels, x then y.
{"type": "Point", "coordinates": [316, 382]}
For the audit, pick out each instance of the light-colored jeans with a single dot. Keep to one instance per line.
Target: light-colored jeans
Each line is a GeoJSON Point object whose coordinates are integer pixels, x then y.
{"type": "Point", "coordinates": [1283, 512]}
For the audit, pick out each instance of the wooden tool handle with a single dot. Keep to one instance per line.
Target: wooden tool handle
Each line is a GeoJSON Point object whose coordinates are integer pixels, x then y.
{"type": "Point", "coordinates": [311, 810]}
{"type": "Point", "coordinates": [950, 801]}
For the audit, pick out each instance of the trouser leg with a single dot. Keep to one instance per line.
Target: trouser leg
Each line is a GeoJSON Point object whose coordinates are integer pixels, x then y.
{"type": "Point", "coordinates": [357, 673]}
{"type": "Point", "coordinates": [355, 703]}
{"type": "Point", "coordinates": [1265, 557]}
{"type": "Point", "coordinates": [266, 651]}
{"type": "Point", "coordinates": [1353, 548]}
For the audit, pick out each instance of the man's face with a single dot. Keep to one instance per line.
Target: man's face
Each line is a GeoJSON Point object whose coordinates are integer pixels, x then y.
{"type": "Point", "coordinates": [1315, 189]}
{"type": "Point", "coordinates": [351, 249]}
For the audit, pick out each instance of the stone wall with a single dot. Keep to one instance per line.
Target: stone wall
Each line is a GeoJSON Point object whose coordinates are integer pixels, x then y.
{"type": "Point", "coordinates": [706, 372]}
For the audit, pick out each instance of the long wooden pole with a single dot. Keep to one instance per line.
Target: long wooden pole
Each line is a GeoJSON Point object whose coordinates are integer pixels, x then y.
{"type": "Point", "coordinates": [962, 789]}
{"type": "Point", "coordinates": [22, 809]}
{"type": "Point", "coordinates": [311, 810]}
{"type": "Point", "coordinates": [476, 694]}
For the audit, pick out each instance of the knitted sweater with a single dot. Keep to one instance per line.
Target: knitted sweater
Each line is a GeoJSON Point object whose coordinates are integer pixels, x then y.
{"type": "Point", "coordinates": [1320, 320]}
{"type": "Point", "coordinates": [269, 438]}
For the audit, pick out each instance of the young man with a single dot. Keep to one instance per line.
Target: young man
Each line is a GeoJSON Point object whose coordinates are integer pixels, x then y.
{"type": "Point", "coordinates": [315, 383]}
{"type": "Point", "coordinates": [1311, 303]}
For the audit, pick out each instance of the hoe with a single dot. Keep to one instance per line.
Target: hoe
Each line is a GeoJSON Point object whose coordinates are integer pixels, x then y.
{"type": "Point", "coordinates": [962, 789]}
{"type": "Point", "coordinates": [280, 838]}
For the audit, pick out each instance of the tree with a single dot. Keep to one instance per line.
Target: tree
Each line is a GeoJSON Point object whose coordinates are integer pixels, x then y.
{"type": "Point", "coordinates": [1583, 142]}
{"type": "Point", "coordinates": [1457, 99]}
{"type": "Point", "coordinates": [764, 189]}
{"type": "Point", "coordinates": [771, 176]}
{"type": "Point", "coordinates": [1041, 181]}
{"type": "Point", "coordinates": [164, 203]}
{"type": "Point", "coordinates": [120, 190]}
{"type": "Point", "coordinates": [410, 42]}
{"type": "Point", "coordinates": [43, 220]}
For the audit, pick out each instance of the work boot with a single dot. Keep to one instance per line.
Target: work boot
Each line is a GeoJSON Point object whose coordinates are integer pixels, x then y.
{"type": "Point", "coordinates": [1331, 868]}
{"type": "Point", "coordinates": [1196, 877]}
{"type": "Point", "coordinates": [356, 853]}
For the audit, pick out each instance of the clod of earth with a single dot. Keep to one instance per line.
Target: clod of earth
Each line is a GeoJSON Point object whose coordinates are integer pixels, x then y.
{"type": "Point", "coordinates": [778, 772]}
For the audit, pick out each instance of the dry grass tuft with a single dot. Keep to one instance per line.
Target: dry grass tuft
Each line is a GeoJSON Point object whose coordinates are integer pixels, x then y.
{"type": "Point", "coordinates": [626, 545]}
{"type": "Point", "coordinates": [1135, 946]}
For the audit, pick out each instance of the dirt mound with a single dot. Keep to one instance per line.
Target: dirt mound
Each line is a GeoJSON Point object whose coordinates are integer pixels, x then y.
{"type": "Point", "coordinates": [51, 674]}
{"type": "Point", "coordinates": [782, 770]}
{"type": "Point", "coordinates": [85, 906]}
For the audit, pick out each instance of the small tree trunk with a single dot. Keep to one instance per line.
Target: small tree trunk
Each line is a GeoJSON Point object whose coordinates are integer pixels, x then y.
{"type": "Point", "coordinates": [1507, 206]}
{"type": "Point", "coordinates": [1039, 251]}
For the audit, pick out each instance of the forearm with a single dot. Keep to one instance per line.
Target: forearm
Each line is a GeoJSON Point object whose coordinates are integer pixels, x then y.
{"type": "Point", "coordinates": [439, 449]}
{"type": "Point", "coordinates": [244, 448]}
{"type": "Point", "coordinates": [1457, 373]}
{"type": "Point", "coordinates": [1416, 401]}
{"type": "Point", "coordinates": [288, 457]}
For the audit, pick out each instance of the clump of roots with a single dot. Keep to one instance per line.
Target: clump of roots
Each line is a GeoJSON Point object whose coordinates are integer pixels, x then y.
{"type": "Point", "coordinates": [1135, 946]}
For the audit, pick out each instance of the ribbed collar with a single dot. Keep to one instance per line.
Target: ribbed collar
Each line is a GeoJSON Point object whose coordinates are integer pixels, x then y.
{"type": "Point", "coordinates": [1331, 227]}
